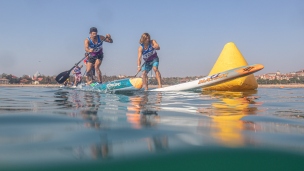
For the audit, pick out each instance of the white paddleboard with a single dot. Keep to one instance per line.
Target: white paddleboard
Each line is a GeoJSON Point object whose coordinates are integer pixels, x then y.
{"type": "Point", "coordinates": [214, 79]}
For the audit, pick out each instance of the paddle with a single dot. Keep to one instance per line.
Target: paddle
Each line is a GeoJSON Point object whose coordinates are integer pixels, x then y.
{"type": "Point", "coordinates": [62, 77]}
{"type": "Point", "coordinates": [140, 68]}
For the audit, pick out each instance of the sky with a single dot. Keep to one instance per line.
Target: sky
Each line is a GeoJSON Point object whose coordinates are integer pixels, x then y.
{"type": "Point", "coordinates": [48, 36]}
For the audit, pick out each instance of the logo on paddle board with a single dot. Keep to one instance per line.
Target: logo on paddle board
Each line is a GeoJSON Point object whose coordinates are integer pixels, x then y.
{"type": "Point", "coordinates": [213, 77]}
{"type": "Point", "coordinates": [247, 69]}
{"type": "Point", "coordinates": [111, 85]}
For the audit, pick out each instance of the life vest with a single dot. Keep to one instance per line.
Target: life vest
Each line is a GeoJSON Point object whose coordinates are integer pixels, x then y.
{"type": "Point", "coordinates": [77, 70]}
{"type": "Point", "coordinates": [148, 54]}
{"type": "Point", "coordinates": [97, 48]}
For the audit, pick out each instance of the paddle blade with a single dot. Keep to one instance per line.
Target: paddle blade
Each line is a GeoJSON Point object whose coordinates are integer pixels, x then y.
{"type": "Point", "coordinates": [62, 77]}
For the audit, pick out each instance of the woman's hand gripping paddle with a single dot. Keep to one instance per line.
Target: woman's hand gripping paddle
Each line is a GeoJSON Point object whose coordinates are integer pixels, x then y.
{"type": "Point", "coordinates": [140, 69]}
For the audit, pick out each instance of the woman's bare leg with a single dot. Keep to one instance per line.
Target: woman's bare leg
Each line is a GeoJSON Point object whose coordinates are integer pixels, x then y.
{"type": "Point", "coordinates": [97, 69]}
{"type": "Point", "coordinates": [88, 70]}
{"type": "Point", "coordinates": [158, 77]}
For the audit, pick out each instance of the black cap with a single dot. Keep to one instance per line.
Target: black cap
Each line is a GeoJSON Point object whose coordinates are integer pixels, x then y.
{"type": "Point", "coordinates": [93, 29]}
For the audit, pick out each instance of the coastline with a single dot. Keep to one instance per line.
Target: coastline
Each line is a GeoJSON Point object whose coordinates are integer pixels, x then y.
{"type": "Point", "coordinates": [30, 85]}
{"type": "Point", "coordinates": [155, 86]}
{"type": "Point", "coordinates": [281, 86]}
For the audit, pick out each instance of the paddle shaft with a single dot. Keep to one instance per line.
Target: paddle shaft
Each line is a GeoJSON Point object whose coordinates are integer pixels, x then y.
{"type": "Point", "coordinates": [76, 64]}
{"type": "Point", "coordinates": [140, 69]}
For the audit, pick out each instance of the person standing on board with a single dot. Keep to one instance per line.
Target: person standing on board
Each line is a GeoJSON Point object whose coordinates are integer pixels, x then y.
{"type": "Point", "coordinates": [93, 45]}
{"type": "Point", "coordinates": [147, 51]}
{"type": "Point", "coordinates": [78, 77]}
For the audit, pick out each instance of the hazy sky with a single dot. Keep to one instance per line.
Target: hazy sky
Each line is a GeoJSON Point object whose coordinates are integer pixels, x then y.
{"type": "Point", "coordinates": [48, 35]}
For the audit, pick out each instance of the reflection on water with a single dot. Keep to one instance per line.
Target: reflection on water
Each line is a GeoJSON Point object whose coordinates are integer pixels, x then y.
{"type": "Point", "coordinates": [104, 111]}
{"type": "Point", "coordinates": [72, 125]}
{"type": "Point", "coordinates": [142, 111]}
{"type": "Point", "coordinates": [89, 109]}
{"type": "Point", "coordinates": [226, 126]}
{"type": "Point", "coordinates": [232, 103]}
{"type": "Point", "coordinates": [236, 114]}
{"type": "Point", "coordinates": [100, 150]}
{"type": "Point", "coordinates": [158, 143]}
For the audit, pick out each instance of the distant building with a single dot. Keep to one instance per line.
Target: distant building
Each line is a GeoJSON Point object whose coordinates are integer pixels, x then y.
{"type": "Point", "coordinates": [300, 73]}
{"type": "Point", "coordinates": [37, 74]}
{"type": "Point", "coordinates": [279, 76]}
{"type": "Point", "coordinates": [293, 73]}
{"type": "Point", "coordinates": [278, 73]}
{"type": "Point", "coordinates": [36, 78]}
{"type": "Point", "coordinates": [121, 76]}
{"type": "Point", "coordinates": [4, 81]}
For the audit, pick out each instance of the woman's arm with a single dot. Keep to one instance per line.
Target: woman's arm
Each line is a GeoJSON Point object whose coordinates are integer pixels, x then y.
{"type": "Point", "coordinates": [155, 45]}
{"type": "Point", "coordinates": [86, 46]}
{"type": "Point", "coordinates": [139, 57]}
{"type": "Point", "coordinates": [108, 38]}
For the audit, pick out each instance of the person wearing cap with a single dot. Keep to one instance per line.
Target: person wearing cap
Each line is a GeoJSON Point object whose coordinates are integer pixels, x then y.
{"type": "Point", "coordinates": [93, 46]}
{"type": "Point", "coordinates": [147, 51]}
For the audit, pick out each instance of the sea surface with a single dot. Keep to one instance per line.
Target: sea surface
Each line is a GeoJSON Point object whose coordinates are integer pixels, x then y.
{"type": "Point", "coordinates": [43, 128]}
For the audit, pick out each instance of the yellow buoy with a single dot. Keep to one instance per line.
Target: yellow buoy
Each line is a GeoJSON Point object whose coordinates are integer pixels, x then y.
{"type": "Point", "coordinates": [231, 58]}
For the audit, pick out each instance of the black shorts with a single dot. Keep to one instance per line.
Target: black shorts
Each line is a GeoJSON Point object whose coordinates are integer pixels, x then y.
{"type": "Point", "coordinates": [92, 59]}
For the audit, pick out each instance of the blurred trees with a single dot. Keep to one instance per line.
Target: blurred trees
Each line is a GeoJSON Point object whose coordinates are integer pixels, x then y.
{"type": "Point", "coordinates": [293, 80]}
{"type": "Point", "coordinates": [42, 79]}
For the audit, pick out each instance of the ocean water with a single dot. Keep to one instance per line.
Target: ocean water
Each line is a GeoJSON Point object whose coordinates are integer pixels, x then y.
{"type": "Point", "coordinates": [68, 129]}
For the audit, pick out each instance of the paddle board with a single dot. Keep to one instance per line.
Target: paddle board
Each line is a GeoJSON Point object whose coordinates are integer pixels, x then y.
{"type": "Point", "coordinates": [127, 84]}
{"type": "Point", "coordinates": [214, 79]}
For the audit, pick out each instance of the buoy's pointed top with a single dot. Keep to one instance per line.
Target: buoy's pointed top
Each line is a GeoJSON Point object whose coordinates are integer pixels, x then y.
{"type": "Point", "coordinates": [229, 58]}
